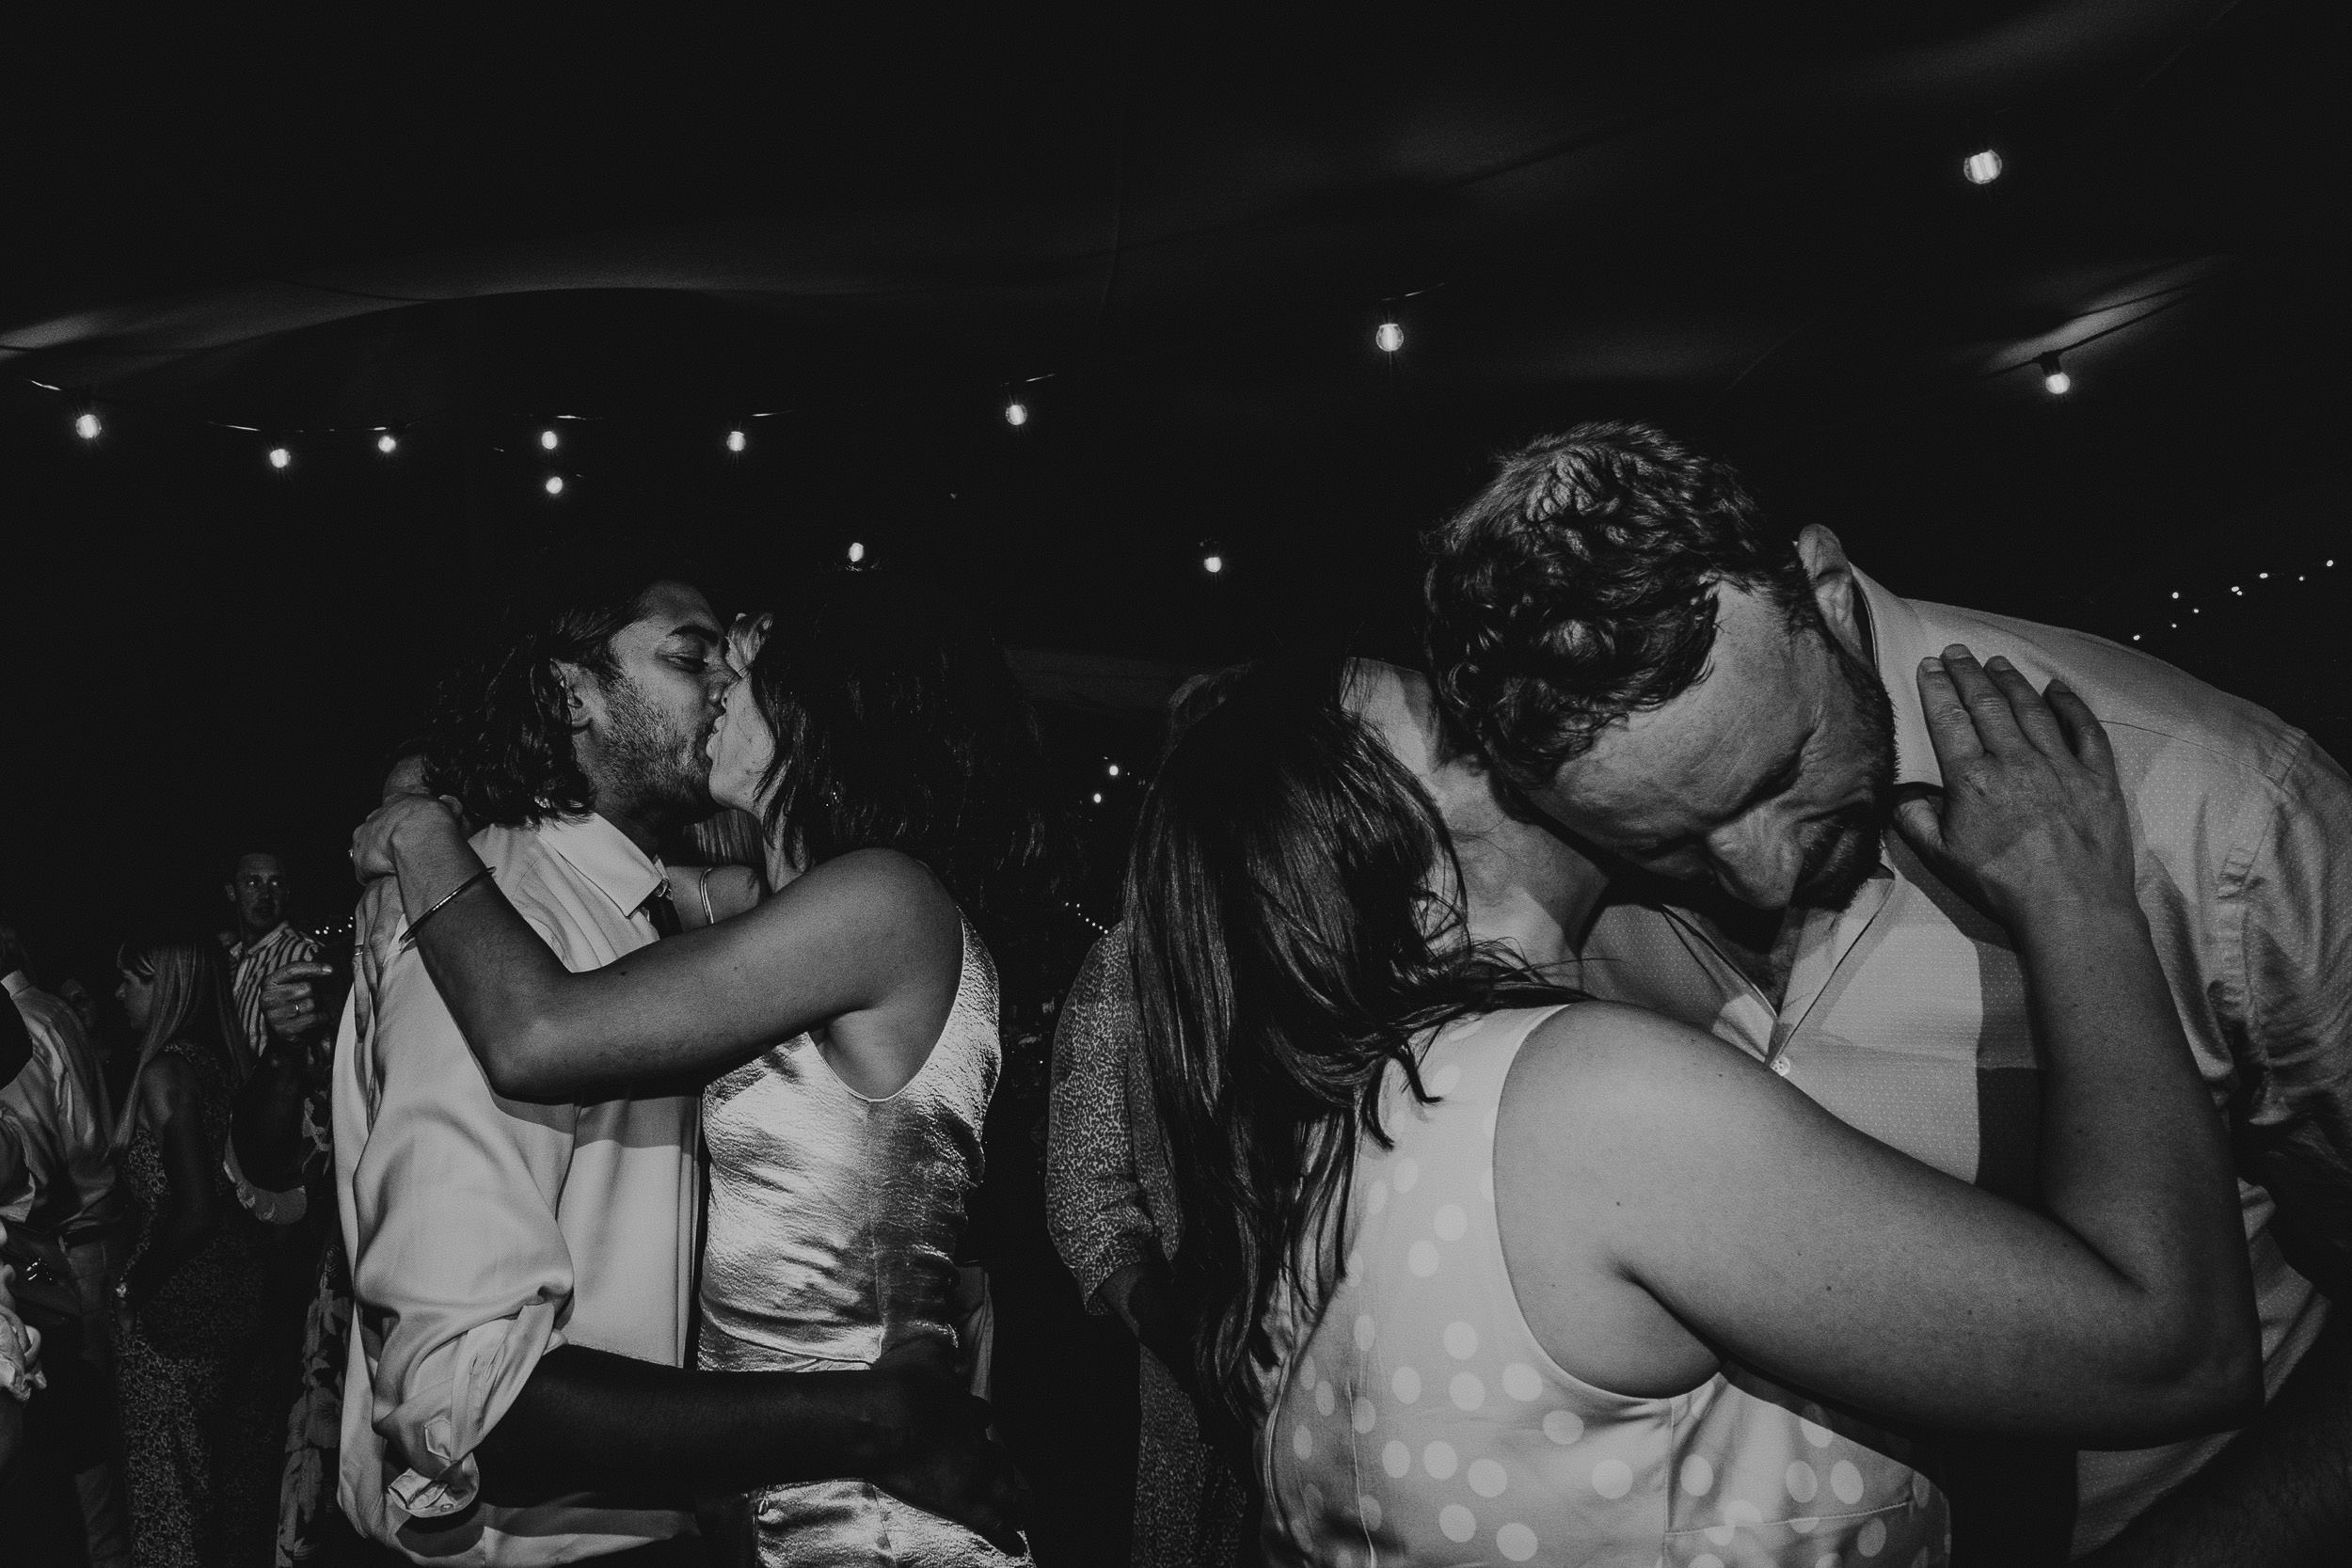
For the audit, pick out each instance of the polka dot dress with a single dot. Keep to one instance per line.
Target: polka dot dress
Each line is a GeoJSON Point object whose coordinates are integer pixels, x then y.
{"type": "Point", "coordinates": [1419, 1422]}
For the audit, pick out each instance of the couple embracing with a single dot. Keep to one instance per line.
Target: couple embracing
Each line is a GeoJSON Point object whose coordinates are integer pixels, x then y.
{"type": "Point", "coordinates": [546, 1025]}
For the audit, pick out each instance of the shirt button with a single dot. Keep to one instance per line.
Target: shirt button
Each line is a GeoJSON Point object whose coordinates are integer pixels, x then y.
{"type": "Point", "coordinates": [1780, 1064]}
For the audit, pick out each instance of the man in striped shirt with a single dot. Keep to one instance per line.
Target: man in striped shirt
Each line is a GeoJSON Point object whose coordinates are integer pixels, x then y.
{"type": "Point", "coordinates": [266, 940]}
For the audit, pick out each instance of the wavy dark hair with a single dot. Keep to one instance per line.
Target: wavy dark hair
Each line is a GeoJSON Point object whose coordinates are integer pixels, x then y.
{"type": "Point", "coordinates": [1579, 587]}
{"type": "Point", "coordinates": [898, 725]}
{"type": "Point", "coordinates": [1289, 949]}
{"type": "Point", "coordinates": [501, 728]}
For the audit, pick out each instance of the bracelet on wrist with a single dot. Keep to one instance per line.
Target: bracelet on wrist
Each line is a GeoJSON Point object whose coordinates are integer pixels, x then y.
{"type": "Point", "coordinates": [441, 903]}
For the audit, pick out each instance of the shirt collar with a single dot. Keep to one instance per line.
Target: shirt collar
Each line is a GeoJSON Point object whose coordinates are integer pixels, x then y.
{"type": "Point", "coordinates": [605, 856]}
{"type": "Point", "coordinates": [17, 982]}
{"type": "Point", "coordinates": [1898, 640]}
{"type": "Point", "coordinates": [238, 950]}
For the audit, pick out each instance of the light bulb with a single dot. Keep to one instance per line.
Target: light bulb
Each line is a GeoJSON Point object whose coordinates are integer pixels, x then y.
{"type": "Point", "coordinates": [2264, 576]}
{"type": "Point", "coordinates": [1982, 168]}
{"type": "Point", "coordinates": [86, 426]}
{"type": "Point", "coordinates": [1212, 563]}
{"type": "Point", "coordinates": [386, 444]}
{"type": "Point", "coordinates": [857, 552]}
{"type": "Point", "coordinates": [2135, 637]}
{"type": "Point", "coordinates": [736, 440]}
{"type": "Point", "coordinates": [2176, 594]}
{"type": "Point", "coordinates": [279, 457]}
{"type": "Point", "coordinates": [1112, 771]}
{"type": "Point", "coordinates": [547, 439]}
{"type": "Point", "coordinates": [1016, 414]}
{"type": "Point", "coordinates": [1390, 336]}
{"type": "Point", "coordinates": [555, 484]}
{"type": "Point", "coordinates": [1098, 796]}
{"type": "Point", "coordinates": [2054, 380]}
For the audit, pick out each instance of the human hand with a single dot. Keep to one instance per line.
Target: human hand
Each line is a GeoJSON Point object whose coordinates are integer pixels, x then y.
{"type": "Point", "coordinates": [937, 1454]}
{"type": "Point", "coordinates": [373, 841]}
{"type": "Point", "coordinates": [2031, 823]}
{"type": "Point", "coordinates": [20, 1352]}
{"type": "Point", "coordinates": [293, 1004]}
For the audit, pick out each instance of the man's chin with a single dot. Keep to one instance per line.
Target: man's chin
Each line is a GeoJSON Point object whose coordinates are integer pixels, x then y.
{"type": "Point", "coordinates": [1837, 882]}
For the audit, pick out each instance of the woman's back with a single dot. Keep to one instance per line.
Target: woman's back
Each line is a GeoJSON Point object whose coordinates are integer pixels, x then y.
{"type": "Point", "coordinates": [1419, 1420]}
{"type": "Point", "coordinates": [833, 1226]}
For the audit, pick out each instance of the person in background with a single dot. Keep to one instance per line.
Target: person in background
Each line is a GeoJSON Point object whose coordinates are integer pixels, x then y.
{"type": "Point", "coordinates": [1727, 718]}
{"type": "Point", "coordinates": [1112, 1213]}
{"type": "Point", "coordinates": [19, 1344]}
{"type": "Point", "coordinates": [69, 1198]}
{"type": "Point", "coordinates": [203, 1452]}
{"type": "Point", "coordinates": [264, 942]}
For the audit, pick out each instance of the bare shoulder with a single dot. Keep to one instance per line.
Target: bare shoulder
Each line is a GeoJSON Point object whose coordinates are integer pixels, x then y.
{"type": "Point", "coordinates": [1621, 1072]}
{"type": "Point", "coordinates": [168, 1084]}
{"type": "Point", "coordinates": [883, 901]}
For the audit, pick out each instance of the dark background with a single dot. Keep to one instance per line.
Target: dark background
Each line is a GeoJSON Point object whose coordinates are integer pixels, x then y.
{"type": "Point", "coordinates": [1170, 234]}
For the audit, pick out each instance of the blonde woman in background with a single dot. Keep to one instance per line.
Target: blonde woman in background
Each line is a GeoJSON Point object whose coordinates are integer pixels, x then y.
{"type": "Point", "coordinates": [202, 1438]}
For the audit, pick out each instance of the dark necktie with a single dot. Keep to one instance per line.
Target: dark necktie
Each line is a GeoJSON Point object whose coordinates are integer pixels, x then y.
{"type": "Point", "coordinates": [663, 914]}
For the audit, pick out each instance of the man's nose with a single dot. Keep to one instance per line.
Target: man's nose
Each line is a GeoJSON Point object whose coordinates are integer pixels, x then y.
{"type": "Point", "coordinates": [1758, 862]}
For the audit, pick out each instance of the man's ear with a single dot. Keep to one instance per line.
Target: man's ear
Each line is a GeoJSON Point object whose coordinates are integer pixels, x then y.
{"type": "Point", "coordinates": [579, 686]}
{"type": "Point", "coordinates": [1834, 587]}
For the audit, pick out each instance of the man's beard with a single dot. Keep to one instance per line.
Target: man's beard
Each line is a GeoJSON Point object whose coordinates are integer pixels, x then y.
{"type": "Point", "coordinates": [657, 763]}
{"type": "Point", "coordinates": [1845, 848]}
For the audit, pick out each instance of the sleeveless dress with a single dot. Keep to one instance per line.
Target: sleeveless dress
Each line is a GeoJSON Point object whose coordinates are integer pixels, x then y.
{"type": "Point", "coordinates": [199, 1433]}
{"type": "Point", "coordinates": [1418, 1422]}
{"type": "Point", "coordinates": [834, 1226]}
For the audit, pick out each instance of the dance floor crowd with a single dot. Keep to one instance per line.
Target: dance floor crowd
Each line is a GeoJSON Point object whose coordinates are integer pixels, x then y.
{"type": "Point", "coordinates": [1713, 1063]}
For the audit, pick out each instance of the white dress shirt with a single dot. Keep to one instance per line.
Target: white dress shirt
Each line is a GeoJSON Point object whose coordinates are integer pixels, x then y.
{"type": "Point", "coordinates": [1904, 1013]}
{"type": "Point", "coordinates": [484, 1232]}
{"type": "Point", "coordinates": [58, 1103]}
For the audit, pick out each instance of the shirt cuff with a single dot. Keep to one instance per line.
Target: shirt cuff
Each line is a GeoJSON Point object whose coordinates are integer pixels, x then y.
{"type": "Point", "coordinates": [433, 1434]}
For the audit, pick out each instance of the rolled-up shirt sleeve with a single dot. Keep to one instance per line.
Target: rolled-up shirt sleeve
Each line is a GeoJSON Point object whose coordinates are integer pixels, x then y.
{"type": "Point", "coordinates": [2294, 899]}
{"type": "Point", "coordinates": [461, 1276]}
{"type": "Point", "coordinates": [1095, 1205]}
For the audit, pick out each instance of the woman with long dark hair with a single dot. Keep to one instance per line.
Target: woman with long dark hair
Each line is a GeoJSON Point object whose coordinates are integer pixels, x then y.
{"type": "Point", "coordinates": [201, 1447]}
{"type": "Point", "coordinates": [848, 1025]}
{"type": "Point", "coordinates": [1492, 1270]}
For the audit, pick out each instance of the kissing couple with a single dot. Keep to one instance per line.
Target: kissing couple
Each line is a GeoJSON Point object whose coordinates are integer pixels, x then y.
{"type": "Point", "coordinates": [541, 1037]}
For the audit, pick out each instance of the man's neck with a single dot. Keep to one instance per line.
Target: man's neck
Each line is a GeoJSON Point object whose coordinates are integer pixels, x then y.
{"type": "Point", "coordinates": [640, 826]}
{"type": "Point", "coordinates": [248, 935]}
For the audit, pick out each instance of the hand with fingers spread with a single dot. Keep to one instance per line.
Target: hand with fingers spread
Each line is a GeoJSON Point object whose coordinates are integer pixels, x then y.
{"type": "Point", "coordinates": [2031, 823]}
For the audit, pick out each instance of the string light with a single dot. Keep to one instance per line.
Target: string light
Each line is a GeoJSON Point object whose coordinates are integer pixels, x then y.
{"type": "Point", "coordinates": [1389, 337]}
{"type": "Point", "coordinates": [2054, 380]}
{"type": "Point", "coordinates": [279, 457]}
{"type": "Point", "coordinates": [85, 425]}
{"type": "Point", "coordinates": [547, 438]}
{"type": "Point", "coordinates": [386, 443]}
{"type": "Point", "coordinates": [857, 552]}
{"type": "Point", "coordinates": [1982, 168]}
{"type": "Point", "coordinates": [736, 440]}
{"type": "Point", "coordinates": [554, 485]}
{"type": "Point", "coordinates": [1016, 414]}
{"type": "Point", "coordinates": [2237, 591]}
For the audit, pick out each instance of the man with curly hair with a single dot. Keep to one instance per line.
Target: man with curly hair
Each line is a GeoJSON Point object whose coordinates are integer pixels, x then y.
{"type": "Point", "coordinates": [1728, 722]}
{"type": "Point", "coordinates": [518, 1390]}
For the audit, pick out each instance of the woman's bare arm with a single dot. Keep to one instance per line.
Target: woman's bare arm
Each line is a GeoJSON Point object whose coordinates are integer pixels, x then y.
{"type": "Point", "coordinates": [869, 942]}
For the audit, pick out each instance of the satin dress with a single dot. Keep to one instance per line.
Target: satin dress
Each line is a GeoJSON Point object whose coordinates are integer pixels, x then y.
{"type": "Point", "coordinates": [832, 1232]}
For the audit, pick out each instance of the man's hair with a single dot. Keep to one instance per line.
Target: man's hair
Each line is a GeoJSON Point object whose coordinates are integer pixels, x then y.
{"type": "Point", "coordinates": [251, 847]}
{"type": "Point", "coordinates": [500, 720]}
{"type": "Point", "coordinates": [1579, 587]}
